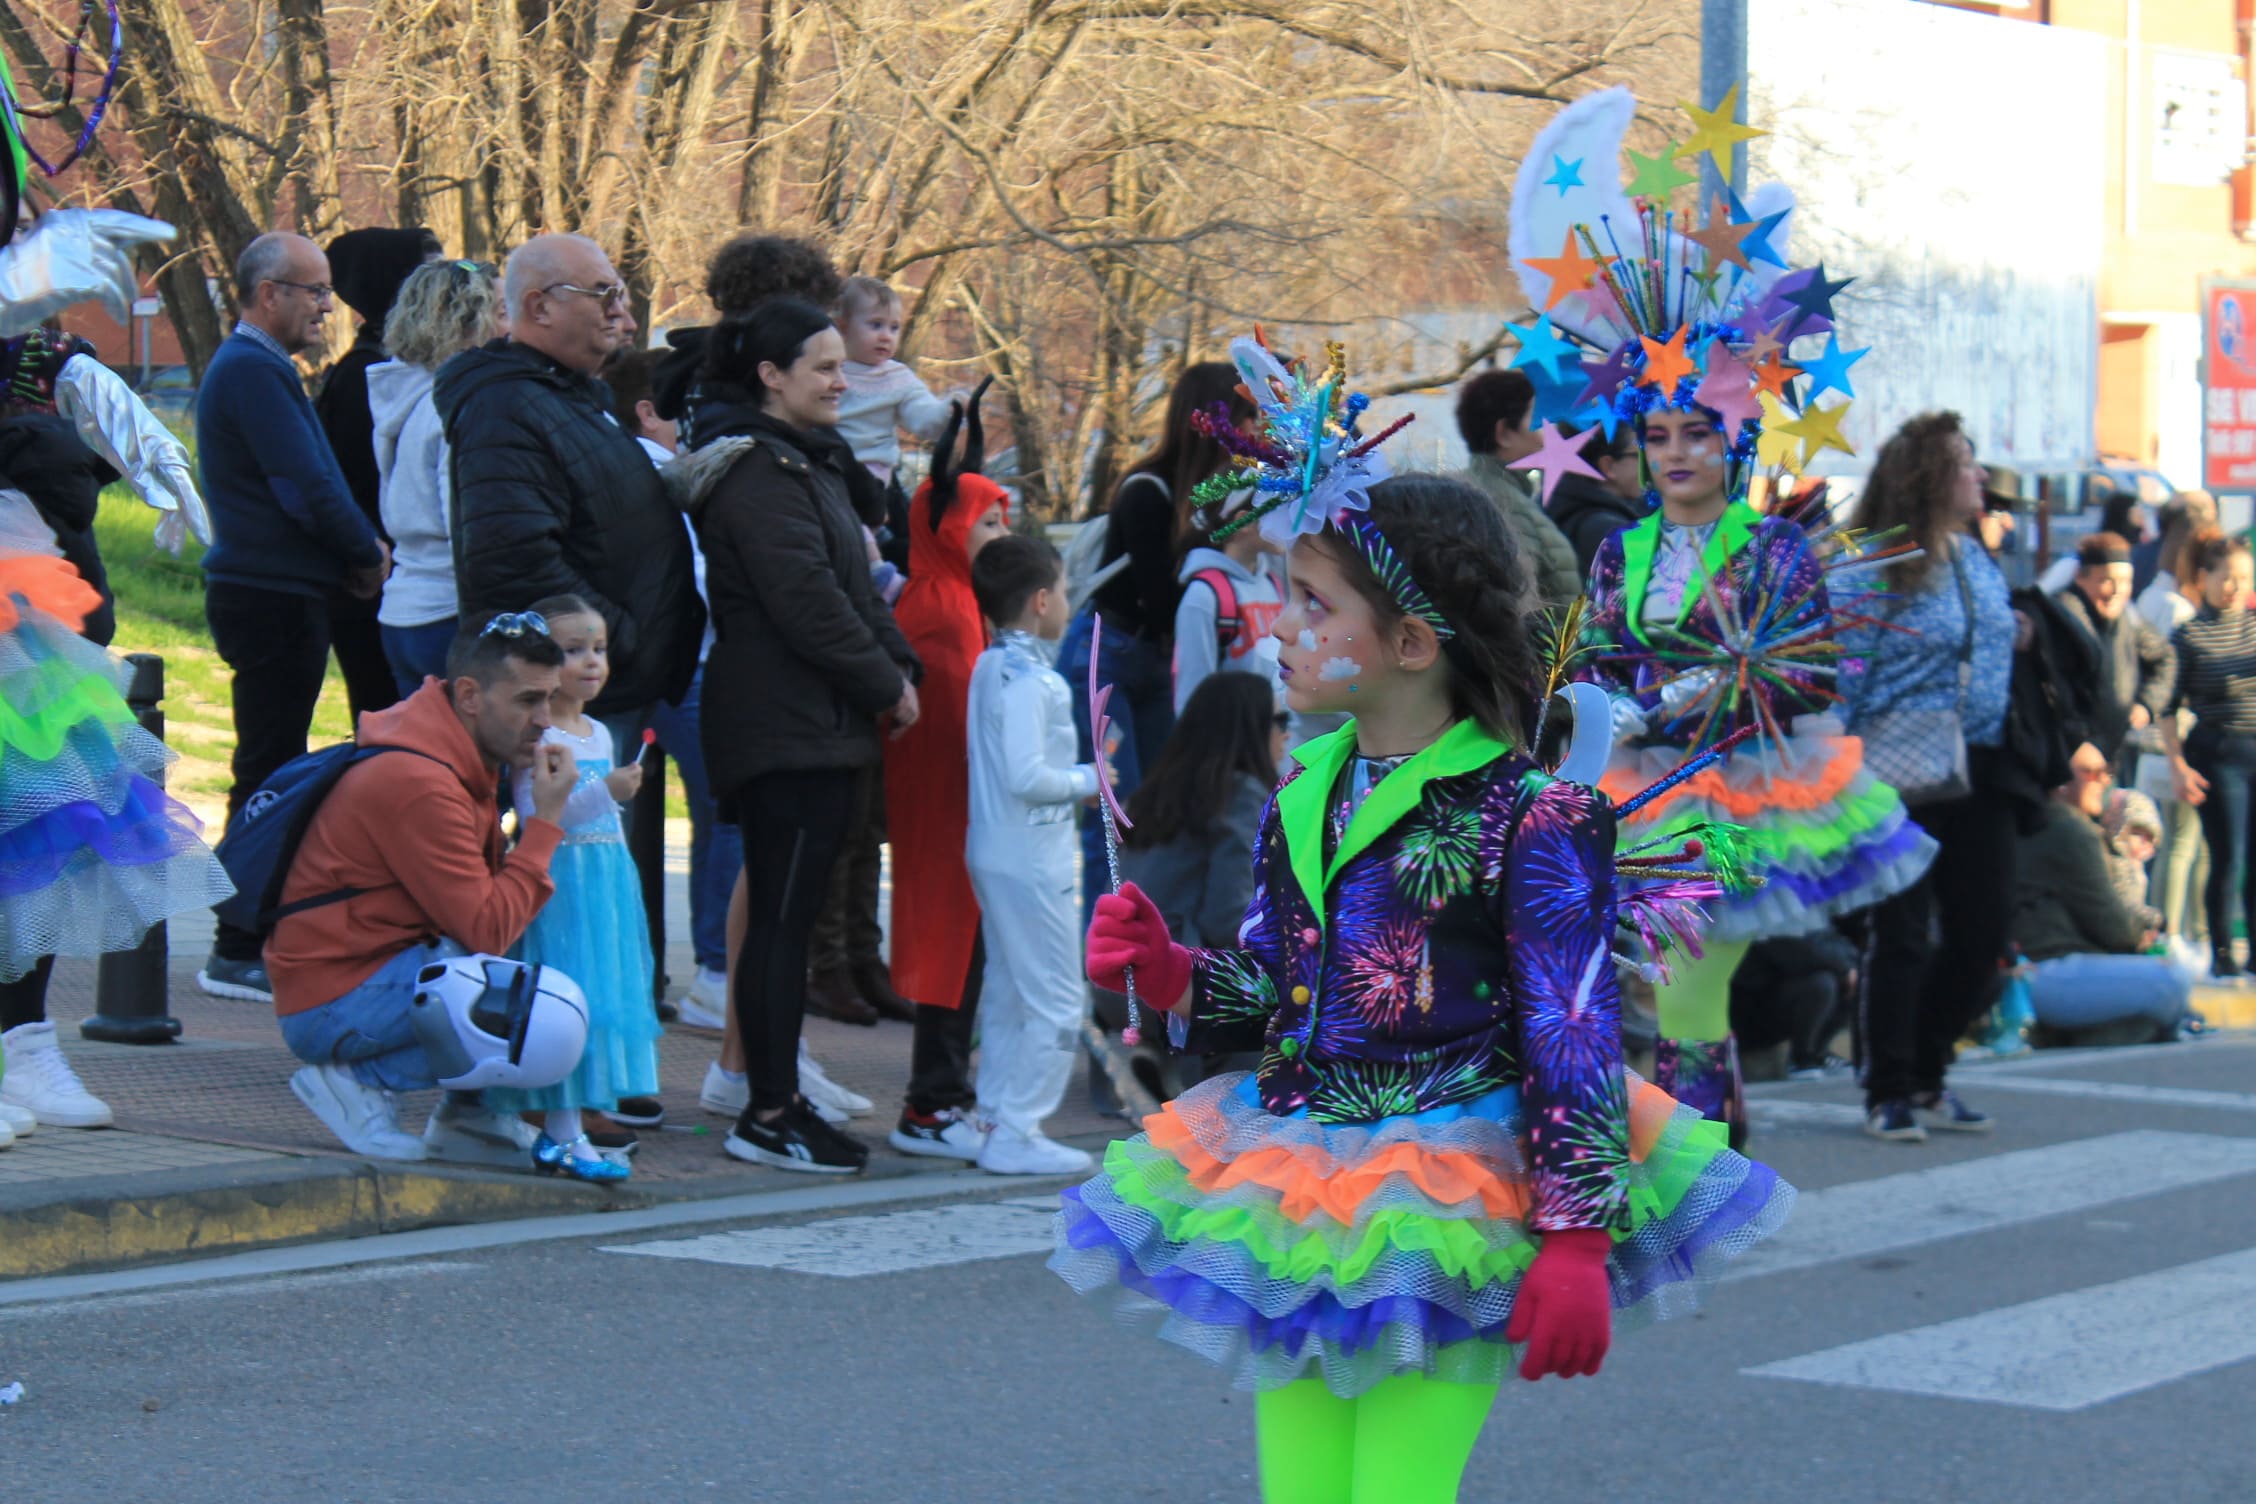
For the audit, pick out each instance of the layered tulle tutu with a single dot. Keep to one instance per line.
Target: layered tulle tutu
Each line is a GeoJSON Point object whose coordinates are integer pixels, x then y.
{"type": "Point", "coordinates": [92, 851]}
{"type": "Point", "coordinates": [1826, 837]}
{"type": "Point", "coordinates": [1282, 1248]}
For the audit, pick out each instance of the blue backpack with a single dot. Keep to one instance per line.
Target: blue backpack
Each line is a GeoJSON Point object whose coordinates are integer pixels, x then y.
{"type": "Point", "coordinates": [262, 840]}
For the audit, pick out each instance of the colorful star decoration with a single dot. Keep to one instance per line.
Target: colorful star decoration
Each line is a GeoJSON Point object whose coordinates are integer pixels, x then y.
{"type": "Point", "coordinates": [1724, 241]}
{"type": "Point", "coordinates": [1570, 271]}
{"type": "Point", "coordinates": [1819, 429]}
{"type": "Point", "coordinates": [1559, 457]}
{"type": "Point", "coordinates": [1717, 131]}
{"type": "Point", "coordinates": [1657, 177]}
{"type": "Point", "coordinates": [1726, 389]}
{"type": "Point", "coordinates": [1775, 448]}
{"type": "Point", "coordinates": [1666, 364]}
{"type": "Point", "coordinates": [1564, 175]}
{"type": "Point", "coordinates": [1830, 371]}
{"type": "Point", "coordinates": [1541, 346]}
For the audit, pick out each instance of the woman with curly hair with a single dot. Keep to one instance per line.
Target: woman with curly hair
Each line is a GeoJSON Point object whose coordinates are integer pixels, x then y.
{"type": "Point", "coordinates": [443, 309]}
{"type": "Point", "coordinates": [1947, 647]}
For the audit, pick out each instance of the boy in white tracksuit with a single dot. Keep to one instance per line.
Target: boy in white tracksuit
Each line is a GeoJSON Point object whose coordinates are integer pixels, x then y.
{"type": "Point", "coordinates": [1021, 849]}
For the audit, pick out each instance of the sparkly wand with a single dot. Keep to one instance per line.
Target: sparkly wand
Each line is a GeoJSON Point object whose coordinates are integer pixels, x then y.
{"type": "Point", "coordinates": [1110, 815]}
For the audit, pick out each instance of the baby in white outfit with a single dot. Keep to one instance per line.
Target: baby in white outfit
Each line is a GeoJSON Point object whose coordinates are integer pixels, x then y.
{"type": "Point", "coordinates": [883, 396]}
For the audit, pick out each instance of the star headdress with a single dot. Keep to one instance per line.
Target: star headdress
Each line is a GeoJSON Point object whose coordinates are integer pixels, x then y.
{"type": "Point", "coordinates": [1307, 464]}
{"type": "Point", "coordinates": [1673, 309]}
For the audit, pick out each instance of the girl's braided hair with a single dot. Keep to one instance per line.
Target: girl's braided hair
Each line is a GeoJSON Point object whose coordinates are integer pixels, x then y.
{"type": "Point", "coordinates": [1452, 539]}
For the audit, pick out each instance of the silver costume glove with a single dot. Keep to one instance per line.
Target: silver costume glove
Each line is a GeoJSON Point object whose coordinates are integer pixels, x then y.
{"type": "Point", "coordinates": [1628, 720]}
{"type": "Point", "coordinates": [117, 425]}
{"type": "Point", "coordinates": [73, 256]}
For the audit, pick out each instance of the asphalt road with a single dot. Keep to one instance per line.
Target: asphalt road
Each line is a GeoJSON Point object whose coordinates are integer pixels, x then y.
{"type": "Point", "coordinates": [2063, 1311]}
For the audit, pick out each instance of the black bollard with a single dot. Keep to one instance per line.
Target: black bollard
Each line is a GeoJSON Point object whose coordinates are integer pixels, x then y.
{"type": "Point", "coordinates": [646, 843]}
{"type": "Point", "coordinates": [132, 988]}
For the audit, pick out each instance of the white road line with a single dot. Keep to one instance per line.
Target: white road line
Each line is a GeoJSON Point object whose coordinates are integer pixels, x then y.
{"type": "Point", "coordinates": [1866, 1217]}
{"type": "Point", "coordinates": [441, 1241]}
{"type": "Point", "coordinates": [2124, 1091]}
{"type": "Point", "coordinates": [1783, 1112]}
{"type": "Point", "coordinates": [279, 1284]}
{"type": "Point", "coordinates": [2065, 1352]}
{"type": "Point", "coordinates": [856, 1247]}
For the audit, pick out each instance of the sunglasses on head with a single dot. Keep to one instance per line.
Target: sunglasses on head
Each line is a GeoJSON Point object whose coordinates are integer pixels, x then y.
{"type": "Point", "coordinates": [516, 624]}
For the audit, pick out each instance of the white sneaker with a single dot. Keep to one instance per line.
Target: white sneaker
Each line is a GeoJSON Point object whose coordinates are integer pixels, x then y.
{"type": "Point", "coordinates": [17, 1120]}
{"type": "Point", "coordinates": [42, 1082]}
{"type": "Point", "coordinates": [364, 1118]}
{"type": "Point", "coordinates": [817, 1087]}
{"type": "Point", "coordinates": [954, 1135]}
{"type": "Point", "coordinates": [705, 1005]}
{"type": "Point", "coordinates": [720, 1094]}
{"type": "Point", "coordinates": [1009, 1152]}
{"type": "Point", "coordinates": [474, 1134]}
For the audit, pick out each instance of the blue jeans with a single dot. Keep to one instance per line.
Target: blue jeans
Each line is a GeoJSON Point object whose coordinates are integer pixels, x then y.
{"type": "Point", "coordinates": [716, 849]}
{"type": "Point", "coordinates": [1142, 709]}
{"type": "Point", "coordinates": [367, 1031]}
{"type": "Point", "coordinates": [2081, 992]}
{"type": "Point", "coordinates": [417, 653]}
{"type": "Point", "coordinates": [2229, 763]}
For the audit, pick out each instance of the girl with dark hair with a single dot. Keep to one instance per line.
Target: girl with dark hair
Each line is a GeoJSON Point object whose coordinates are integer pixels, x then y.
{"type": "Point", "coordinates": [805, 665]}
{"type": "Point", "coordinates": [1945, 649]}
{"type": "Point", "coordinates": [1441, 1135]}
{"type": "Point", "coordinates": [2214, 767]}
{"type": "Point", "coordinates": [1136, 589]}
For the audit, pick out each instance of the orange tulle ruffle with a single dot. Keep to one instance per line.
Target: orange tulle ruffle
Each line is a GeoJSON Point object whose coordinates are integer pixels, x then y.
{"type": "Point", "coordinates": [1803, 789]}
{"type": "Point", "coordinates": [1311, 1185]}
{"type": "Point", "coordinates": [48, 584]}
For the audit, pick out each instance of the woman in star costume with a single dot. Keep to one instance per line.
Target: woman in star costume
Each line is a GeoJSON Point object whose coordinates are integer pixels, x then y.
{"type": "Point", "coordinates": [1441, 1172]}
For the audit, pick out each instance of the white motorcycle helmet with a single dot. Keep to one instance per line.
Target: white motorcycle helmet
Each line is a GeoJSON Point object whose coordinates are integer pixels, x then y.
{"type": "Point", "coordinates": [490, 1021]}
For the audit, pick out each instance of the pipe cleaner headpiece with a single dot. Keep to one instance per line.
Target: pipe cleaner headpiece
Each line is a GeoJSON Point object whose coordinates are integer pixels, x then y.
{"type": "Point", "coordinates": [1307, 465]}
{"type": "Point", "coordinates": [1639, 310]}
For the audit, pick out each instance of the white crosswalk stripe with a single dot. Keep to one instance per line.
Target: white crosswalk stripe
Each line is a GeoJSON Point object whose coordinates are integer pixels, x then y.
{"type": "Point", "coordinates": [2065, 1352]}
{"type": "Point", "coordinates": [855, 1247]}
{"type": "Point", "coordinates": [2124, 1091]}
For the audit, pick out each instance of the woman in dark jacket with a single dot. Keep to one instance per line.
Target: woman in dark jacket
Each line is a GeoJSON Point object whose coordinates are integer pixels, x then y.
{"type": "Point", "coordinates": [806, 664]}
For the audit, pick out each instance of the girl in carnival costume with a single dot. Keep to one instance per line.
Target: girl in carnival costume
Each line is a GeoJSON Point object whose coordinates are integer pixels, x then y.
{"type": "Point", "coordinates": [1708, 620]}
{"type": "Point", "coordinates": [92, 851]}
{"type": "Point", "coordinates": [1441, 1169]}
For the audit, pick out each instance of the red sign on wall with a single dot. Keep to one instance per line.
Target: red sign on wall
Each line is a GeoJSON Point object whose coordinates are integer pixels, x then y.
{"type": "Point", "coordinates": [2228, 386]}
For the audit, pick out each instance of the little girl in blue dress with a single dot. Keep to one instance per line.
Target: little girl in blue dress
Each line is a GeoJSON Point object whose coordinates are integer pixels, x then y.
{"type": "Point", "coordinates": [592, 929]}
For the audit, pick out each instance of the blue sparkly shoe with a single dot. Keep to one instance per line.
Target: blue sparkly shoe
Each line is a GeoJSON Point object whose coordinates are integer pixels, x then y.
{"type": "Point", "coordinates": [553, 1158]}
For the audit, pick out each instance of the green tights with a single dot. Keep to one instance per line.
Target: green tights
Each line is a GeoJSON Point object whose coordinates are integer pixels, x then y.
{"type": "Point", "coordinates": [1404, 1441]}
{"type": "Point", "coordinates": [1696, 1001]}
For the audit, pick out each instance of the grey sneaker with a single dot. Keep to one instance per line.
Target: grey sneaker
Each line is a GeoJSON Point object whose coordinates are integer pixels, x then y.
{"type": "Point", "coordinates": [243, 980]}
{"type": "Point", "coordinates": [470, 1133]}
{"type": "Point", "coordinates": [364, 1118]}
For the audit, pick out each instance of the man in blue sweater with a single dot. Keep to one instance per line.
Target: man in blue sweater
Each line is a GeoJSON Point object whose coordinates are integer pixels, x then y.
{"type": "Point", "coordinates": [286, 533]}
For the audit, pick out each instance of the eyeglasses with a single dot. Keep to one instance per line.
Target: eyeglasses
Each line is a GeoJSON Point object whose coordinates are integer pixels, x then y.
{"type": "Point", "coordinates": [322, 291]}
{"type": "Point", "coordinates": [1282, 720]}
{"type": "Point", "coordinates": [516, 624]}
{"type": "Point", "coordinates": [613, 296]}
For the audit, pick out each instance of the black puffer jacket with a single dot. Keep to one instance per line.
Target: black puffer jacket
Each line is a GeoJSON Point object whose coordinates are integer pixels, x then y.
{"type": "Point", "coordinates": [552, 497]}
{"type": "Point", "coordinates": [42, 456]}
{"type": "Point", "coordinates": [1589, 513]}
{"type": "Point", "coordinates": [807, 657]}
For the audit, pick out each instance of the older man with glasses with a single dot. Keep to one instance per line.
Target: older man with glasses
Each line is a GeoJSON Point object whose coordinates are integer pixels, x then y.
{"type": "Point", "coordinates": [286, 536]}
{"type": "Point", "coordinates": [551, 496]}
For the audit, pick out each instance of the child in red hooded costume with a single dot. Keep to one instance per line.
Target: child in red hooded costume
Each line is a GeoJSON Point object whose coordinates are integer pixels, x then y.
{"type": "Point", "coordinates": [935, 929]}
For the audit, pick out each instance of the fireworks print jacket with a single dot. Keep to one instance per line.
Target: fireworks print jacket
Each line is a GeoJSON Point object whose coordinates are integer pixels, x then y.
{"type": "Point", "coordinates": [1759, 588]}
{"type": "Point", "coordinates": [1453, 938]}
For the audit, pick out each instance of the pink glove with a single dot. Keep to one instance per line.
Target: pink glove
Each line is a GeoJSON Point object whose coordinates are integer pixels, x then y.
{"type": "Point", "coordinates": [1564, 1312]}
{"type": "Point", "coordinates": [1127, 931]}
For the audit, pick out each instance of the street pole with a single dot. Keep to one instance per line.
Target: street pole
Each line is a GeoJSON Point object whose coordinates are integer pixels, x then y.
{"type": "Point", "coordinates": [1723, 62]}
{"type": "Point", "coordinates": [132, 993]}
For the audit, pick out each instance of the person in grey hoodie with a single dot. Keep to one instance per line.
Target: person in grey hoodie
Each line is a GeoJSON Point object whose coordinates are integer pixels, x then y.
{"type": "Point", "coordinates": [442, 309]}
{"type": "Point", "coordinates": [1229, 600]}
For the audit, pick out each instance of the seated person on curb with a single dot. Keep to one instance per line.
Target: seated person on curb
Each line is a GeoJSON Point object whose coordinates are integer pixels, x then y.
{"type": "Point", "coordinates": [2084, 944]}
{"type": "Point", "coordinates": [416, 840]}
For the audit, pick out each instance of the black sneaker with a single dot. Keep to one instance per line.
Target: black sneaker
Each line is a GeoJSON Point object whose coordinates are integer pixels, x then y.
{"type": "Point", "coordinates": [639, 1112]}
{"type": "Point", "coordinates": [1943, 1109]}
{"type": "Point", "coordinates": [1893, 1120]}
{"type": "Point", "coordinates": [798, 1140]}
{"type": "Point", "coordinates": [245, 981]}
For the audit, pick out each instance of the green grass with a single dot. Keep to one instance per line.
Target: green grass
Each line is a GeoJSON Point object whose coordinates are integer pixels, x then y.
{"type": "Point", "coordinates": [160, 609]}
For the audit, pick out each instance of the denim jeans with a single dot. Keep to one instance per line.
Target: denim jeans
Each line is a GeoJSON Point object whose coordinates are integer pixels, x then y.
{"type": "Point", "coordinates": [1142, 709]}
{"type": "Point", "coordinates": [2229, 763]}
{"type": "Point", "coordinates": [2081, 992]}
{"type": "Point", "coordinates": [366, 1030]}
{"type": "Point", "coordinates": [716, 848]}
{"type": "Point", "coordinates": [418, 653]}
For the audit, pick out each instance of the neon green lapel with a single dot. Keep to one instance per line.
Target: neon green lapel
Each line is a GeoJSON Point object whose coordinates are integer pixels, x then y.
{"type": "Point", "coordinates": [1301, 804]}
{"type": "Point", "coordinates": [1640, 543]}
